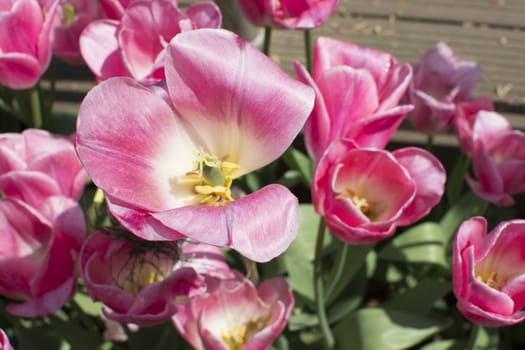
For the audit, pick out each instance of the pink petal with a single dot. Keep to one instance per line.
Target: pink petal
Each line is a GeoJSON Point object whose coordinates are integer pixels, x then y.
{"type": "Point", "coordinates": [235, 98]}
{"type": "Point", "coordinates": [260, 226]}
{"type": "Point", "coordinates": [205, 14]}
{"type": "Point", "coordinates": [429, 176]}
{"type": "Point", "coordinates": [132, 161]}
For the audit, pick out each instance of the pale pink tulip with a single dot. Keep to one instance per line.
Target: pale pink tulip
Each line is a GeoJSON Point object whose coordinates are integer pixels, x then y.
{"type": "Point", "coordinates": [291, 14]}
{"type": "Point", "coordinates": [36, 165]}
{"type": "Point", "coordinates": [440, 81]}
{"type": "Point", "coordinates": [26, 38]}
{"type": "Point", "coordinates": [74, 16]}
{"type": "Point", "coordinates": [364, 106]}
{"type": "Point", "coordinates": [141, 282]}
{"type": "Point", "coordinates": [364, 194]}
{"type": "Point", "coordinates": [488, 272]}
{"type": "Point", "coordinates": [167, 170]}
{"type": "Point", "coordinates": [134, 45]}
{"type": "Point", "coordinates": [38, 255]}
{"type": "Point", "coordinates": [5, 344]}
{"type": "Point", "coordinates": [468, 126]}
{"type": "Point", "coordinates": [235, 314]}
{"type": "Point", "coordinates": [498, 161]}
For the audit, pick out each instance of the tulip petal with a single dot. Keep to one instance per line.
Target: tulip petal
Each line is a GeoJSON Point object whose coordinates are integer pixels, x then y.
{"type": "Point", "coordinates": [243, 107]}
{"type": "Point", "coordinates": [260, 226]}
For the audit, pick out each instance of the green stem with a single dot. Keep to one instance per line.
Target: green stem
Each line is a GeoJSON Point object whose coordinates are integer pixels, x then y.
{"type": "Point", "coordinates": [430, 143]}
{"type": "Point", "coordinates": [308, 49]}
{"type": "Point", "coordinates": [267, 40]}
{"type": "Point", "coordinates": [318, 287]}
{"type": "Point", "coordinates": [36, 112]}
{"type": "Point", "coordinates": [473, 337]}
{"type": "Point", "coordinates": [251, 270]}
{"type": "Point", "coordinates": [338, 272]}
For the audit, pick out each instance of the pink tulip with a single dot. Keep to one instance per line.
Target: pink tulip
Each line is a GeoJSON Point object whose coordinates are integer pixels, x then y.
{"type": "Point", "coordinates": [469, 127]}
{"type": "Point", "coordinates": [441, 81]}
{"type": "Point", "coordinates": [364, 106]}
{"type": "Point", "coordinates": [488, 272]}
{"type": "Point", "coordinates": [134, 45]}
{"type": "Point", "coordinates": [36, 165]}
{"type": "Point", "coordinates": [114, 9]}
{"type": "Point", "coordinates": [26, 37]}
{"type": "Point", "coordinates": [38, 255]}
{"type": "Point", "coordinates": [5, 344]}
{"type": "Point", "coordinates": [236, 315]}
{"type": "Point", "coordinates": [498, 162]}
{"type": "Point", "coordinates": [74, 16]}
{"type": "Point", "coordinates": [364, 194]}
{"type": "Point", "coordinates": [291, 14]}
{"type": "Point", "coordinates": [141, 282]}
{"type": "Point", "coordinates": [167, 170]}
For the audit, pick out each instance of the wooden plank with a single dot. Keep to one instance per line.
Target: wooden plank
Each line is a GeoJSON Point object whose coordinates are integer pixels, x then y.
{"type": "Point", "coordinates": [499, 52]}
{"type": "Point", "coordinates": [497, 13]}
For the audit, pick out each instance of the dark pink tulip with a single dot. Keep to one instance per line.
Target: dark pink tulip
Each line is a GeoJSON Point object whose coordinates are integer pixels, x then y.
{"type": "Point", "coordinates": [364, 194]}
{"type": "Point", "coordinates": [74, 16]}
{"type": "Point", "coordinates": [291, 14]}
{"type": "Point", "coordinates": [141, 282]}
{"type": "Point", "coordinates": [38, 255]}
{"type": "Point", "coordinates": [36, 165]}
{"type": "Point", "coordinates": [134, 45]}
{"type": "Point", "coordinates": [364, 106]}
{"type": "Point", "coordinates": [488, 272]}
{"type": "Point", "coordinates": [440, 81]}
{"type": "Point", "coordinates": [167, 168]}
{"type": "Point", "coordinates": [5, 344]}
{"type": "Point", "coordinates": [114, 9]}
{"type": "Point", "coordinates": [26, 37]}
{"type": "Point", "coordinates": [235, 314]}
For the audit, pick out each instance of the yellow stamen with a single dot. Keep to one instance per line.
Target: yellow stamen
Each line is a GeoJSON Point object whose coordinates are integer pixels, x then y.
{"type": "Point", "coordinates": [360, 202]}
{"type": "Point", "coordinates": [492, 280]}
{"type": "Point", "coordinates": [236, 340]}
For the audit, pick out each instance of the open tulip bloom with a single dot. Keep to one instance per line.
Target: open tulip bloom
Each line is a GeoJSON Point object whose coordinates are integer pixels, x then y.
{"type": "Point", "coordinates": [364, 194]}
{"type": "Point", "coordinates": [167, 167]}
{"type": "Point", "coordinates": [488, 272]}
{"type": "Point", "coordinates": [235, 314]}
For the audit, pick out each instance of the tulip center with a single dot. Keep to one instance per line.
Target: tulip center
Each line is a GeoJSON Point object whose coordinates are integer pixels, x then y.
{"type": "Point", "coordinates": [69, 14]}
{"type": "Point", "coordinates": [492, 279]}
{"type": "Point", "coordinates": [144, 266]}
{"type": "Point", "coordinates": [211, 179]}
{"type": "Point", "coordinates": [359, 201]}
{"type": "Point", "coordinates": [236, 338]}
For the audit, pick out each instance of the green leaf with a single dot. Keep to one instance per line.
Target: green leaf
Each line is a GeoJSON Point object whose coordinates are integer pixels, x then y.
{"type": "Point", "coordinates": [303, 246]}
{"type": "Point", "coordinates": [302, 320]}
{"type": "Point", "coordinates": [37, 338]}
{"type": "Point", "coordinates": [420, 244]}
{"type": "Point", "coordinates": [484, 338]}
{"type": "Point", "coordinates": [87, 304]}
{"type": "Point", "coordinates": [349, 259]}
{"type": "Point", "coordinates": [449, 344]}
{"type": "Point", "coordinates": [353, 297]}
{"type": "Point", "coordinates": [468, 206]}
{"type": "Point", "coordinates": [456, 178]}
{"type": "Point", "coordinates": [300, 275]}
{"type": "Point", "coordinates": [380, 329]}
{"type": "Point", "coordinates": [296, 160]}
{"type": "Point", "coordinates": [421, 298]}
{"type": "Point", "coordinates": [76, 335]}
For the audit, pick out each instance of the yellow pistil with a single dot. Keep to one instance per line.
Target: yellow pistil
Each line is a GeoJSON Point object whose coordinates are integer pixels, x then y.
{"type": "Point", "coordinates": [69, 15]}
{"type": "Point", "coordinates": [212, 179]}
{"type": "Point", "coordinates": [236, 340]}
{"type": "Point", "coordinates": [492, 280]}
{"type": "Point", "coordinates": [360, 202]}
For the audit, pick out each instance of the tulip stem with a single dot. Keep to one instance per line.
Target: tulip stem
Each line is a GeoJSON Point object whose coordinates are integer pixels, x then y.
{"type": "Point", "coordinates": [308, 49]}
{"type": "Point", "coordinates": [338, 272]}
{"type": "Point", "coordinates": [473, 337]}
{"type": "Point", "coordinates": [251, 270]}
{"type": "Point", "coordinates": [267, 40]}
{"type": "Point", "coordinates": [36, 112]}
{"type": "Point", "coordinates": [430, 143]}
{"type": "Point", "coordinates": [318, 287]}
